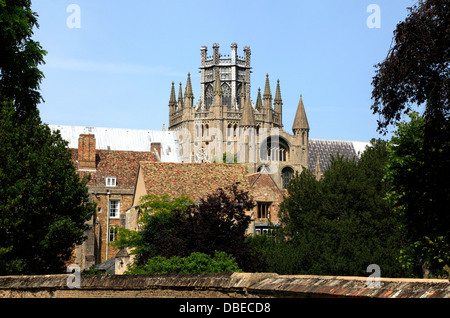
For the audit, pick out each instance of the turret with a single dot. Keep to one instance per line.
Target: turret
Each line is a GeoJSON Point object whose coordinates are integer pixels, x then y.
{"type": "Point", "coordinates": [180, 97]}
{"type": "Point", "coordinates": [278, 103]}
{"type": "Point", "coordinates": [301, 126]}
{"type": "Point", "coordinates": [248, 116]}
{"type": "Point", "coordinates": [188, 94]}
{"type": "Point", "coordinates": [259, 104]}
{"type": "Point", "coordinates": [267, 101]}
{"type": "Point", "coordinates": [172, 100]}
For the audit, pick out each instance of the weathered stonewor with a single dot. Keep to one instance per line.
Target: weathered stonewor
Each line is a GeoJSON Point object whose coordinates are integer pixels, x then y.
{"type": "Point", "coordinates": [219, 285]}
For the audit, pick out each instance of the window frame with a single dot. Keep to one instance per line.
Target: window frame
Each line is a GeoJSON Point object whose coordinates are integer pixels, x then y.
{"type": "Point", "coordinates": [116, 209]}
{"type": "Point", "coordinates": [109, 183]}
{"type": "Point", "coordinates": [263, 210]}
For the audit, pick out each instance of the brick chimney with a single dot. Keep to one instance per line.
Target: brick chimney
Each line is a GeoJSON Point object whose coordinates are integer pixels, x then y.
{"type": "Point", "coordinates": [155, 147]}
{"type": "Point", "coordinates": [86, 152]}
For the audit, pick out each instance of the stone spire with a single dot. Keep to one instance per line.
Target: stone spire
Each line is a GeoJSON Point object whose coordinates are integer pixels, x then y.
{"type": "Point", "coordinates": [259, 101]}
{"type": "Point", "coordinates": [267, 94]}
{"type": "Point", "coordinates": [218, 93]}
{"type": "Point", "coordinates": [248, 116]}
{"type": "Point", "coordinates": [278, 103]}
{"type": "Point", "coordinates": [267, 102]}
{"type": "Point", "coordinates": [188, 94]}
{"type": "Point", "coordinates": [278, 94]}
{"type": "Point", "coordinates": [180, 97]}
{"type": "Point", "coordinates": [317, 171]}
{"type": "Point", "coordinates": [172, 100]}
{"type": "Point", "coordinates": [300, 121]}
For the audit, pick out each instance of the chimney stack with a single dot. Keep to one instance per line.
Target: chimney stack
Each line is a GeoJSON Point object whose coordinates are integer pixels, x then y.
{"type": "Point", "coordinates": [86, 152]}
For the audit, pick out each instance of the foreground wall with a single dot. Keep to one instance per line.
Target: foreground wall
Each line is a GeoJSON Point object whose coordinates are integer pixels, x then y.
{"type": "Point", "coordinates": [217, 285]}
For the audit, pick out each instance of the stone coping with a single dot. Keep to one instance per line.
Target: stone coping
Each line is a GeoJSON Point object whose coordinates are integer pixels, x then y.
{"type": "Point", "coordinates": [245, 284]}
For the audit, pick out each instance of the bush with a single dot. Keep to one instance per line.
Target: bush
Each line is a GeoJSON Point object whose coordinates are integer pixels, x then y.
{"type": "Point", "coordinates": [195, 263]}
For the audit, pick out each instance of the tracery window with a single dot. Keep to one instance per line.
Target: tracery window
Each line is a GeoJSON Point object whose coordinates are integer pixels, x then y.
{"type": "Point", "coordinates": [238, 93]}
{"type": "Point", "coordinates": [286, 176]}
{"type": "Point", "coordinates": [226, 100]}
{"type": "Point", "coordinates": [209, 96]}
{"type": "Point", "coordinates": [275, 152]}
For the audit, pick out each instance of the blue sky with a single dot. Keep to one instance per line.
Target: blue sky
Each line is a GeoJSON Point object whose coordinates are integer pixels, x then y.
{"type": "Point", "coordinates": [116, 69]}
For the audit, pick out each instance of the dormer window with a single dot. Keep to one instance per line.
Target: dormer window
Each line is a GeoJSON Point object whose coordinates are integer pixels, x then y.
{"type": "Point", "coordinates": [111, 181]}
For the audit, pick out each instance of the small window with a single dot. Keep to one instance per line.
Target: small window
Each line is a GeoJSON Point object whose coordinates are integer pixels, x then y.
{"type": "Point", "coordinates": [114, 209]}
{"type": "Point", "coordinates": [112, 233]}
{"type": "Point", "coordinates": [111, 181]}
{"type": "Point", "coordinates": [263, 210]}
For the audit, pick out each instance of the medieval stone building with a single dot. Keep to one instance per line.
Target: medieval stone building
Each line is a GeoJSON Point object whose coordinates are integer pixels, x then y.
{"type": "Point", "coordinates": [125, 164]}
{"type": "Point", "coordinates": [226, 120]}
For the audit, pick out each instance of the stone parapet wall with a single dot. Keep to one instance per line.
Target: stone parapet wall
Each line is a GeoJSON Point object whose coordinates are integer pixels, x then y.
{"type": "Point", "coordinates": [232, 285]}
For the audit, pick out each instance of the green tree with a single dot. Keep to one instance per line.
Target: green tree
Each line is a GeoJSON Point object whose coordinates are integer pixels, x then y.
{"type": "Point", "coordinates": [176, 227]}
{"type": "Point", "coordinates": [416, 72]}
{"type": "Point", "coordinates": [412, 193]}
{"type": "Point", "coordinates": [159, 217]}
{"type": "Point", "coordinates": [342, 223]}
{"type": "Point", "coordinates": [195, 263]}
{"type": "Point", "coordinates": [20, 57]}
{"type": "Point", "coordinates": [43, 203]}
{"type": "Point", "coordinates": [416, 69]}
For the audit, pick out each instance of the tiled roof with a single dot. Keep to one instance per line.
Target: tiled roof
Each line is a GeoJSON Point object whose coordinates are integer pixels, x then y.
{"type": "Point", "coordinates": [124, 139]}
{"type": "Point", "coordinates": [325, 148]}
{"type": "Point", "coordinates": [193, 179]}
{"type": "Point", "coordinates": [120, 164]}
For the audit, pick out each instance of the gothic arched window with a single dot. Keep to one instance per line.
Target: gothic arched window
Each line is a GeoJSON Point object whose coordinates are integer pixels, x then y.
{"type": "Point", "coordinates": [238, 94]}
{"type": "Point", "coordinates": [276, 152]}
{"type": "Point", "coordinates": [209, 96]}
{"type": "Point", "coordinates": [286, 176]}
{"type": "Point", "coordinates": [226, 100]}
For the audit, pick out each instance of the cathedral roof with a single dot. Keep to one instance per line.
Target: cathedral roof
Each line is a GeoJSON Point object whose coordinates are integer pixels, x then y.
{"type": "Point", "coordinates": [124, 139]}
{"type": "Point", "coordinates": [321, 150]}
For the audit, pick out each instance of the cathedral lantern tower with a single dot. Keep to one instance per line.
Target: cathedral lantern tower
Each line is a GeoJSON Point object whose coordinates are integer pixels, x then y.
{"type": "Point", "coordinates": [225, 105]}
{"type": "Point", "coordinates": [233, 70]}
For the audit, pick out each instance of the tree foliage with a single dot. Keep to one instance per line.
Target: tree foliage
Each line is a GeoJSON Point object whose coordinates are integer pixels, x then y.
{"type": "Point", "coordinates": [342, 223]}
{"type": "Point", "coordinates": [176, 227]}
{"type": "Point", "coordinates": [195, 263]}
{"type": "Point", "coordinates": [416, 69]}
{"type": "Point", "coordinates": [20, 57]}
{"type": "Point", "coordinates": [415, 72]}
{"type": "Point", "coordinates": [43, 203]}
{"type": "Point", "coordinates": [421, 193]}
